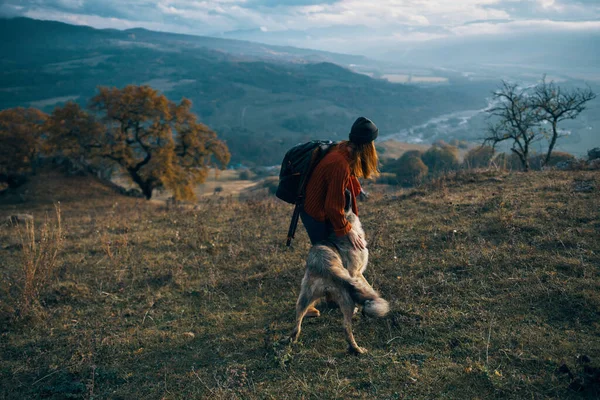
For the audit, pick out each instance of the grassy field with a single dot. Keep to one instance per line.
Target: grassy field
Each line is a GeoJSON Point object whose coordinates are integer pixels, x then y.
{"type": "Point", "coordinates": [493, 281]}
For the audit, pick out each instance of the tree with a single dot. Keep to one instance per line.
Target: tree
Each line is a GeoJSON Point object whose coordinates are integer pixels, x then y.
{"type": "Point", "coordinates": [516, 121]}
{"type": "Point", "coordinates": [20, 132]}
{"type": "Point", "coordinates": [156, 142]}
{"type": "Point", "coordinates": [555, 105]}
{"type": "Point", "coordinates": [72, 133]}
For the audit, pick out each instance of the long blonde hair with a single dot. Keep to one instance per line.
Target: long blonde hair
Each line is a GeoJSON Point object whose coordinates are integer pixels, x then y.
{"type": "Point", "coordinates": [364, 162]}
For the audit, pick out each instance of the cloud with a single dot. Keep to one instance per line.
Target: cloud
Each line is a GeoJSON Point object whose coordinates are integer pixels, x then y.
{"type": "Point", "coordinates": [327, 24]}
{"type": "Point", "coordinates": [573, 10]}
{"type": "Point", "coordinates": [288, 3]}
{"type": "Point", "coordinates": [11, 10]}
{"type": "Point", "coordinates": [105, 22]}
{"type": "Point", "coordinates": [517, 27]}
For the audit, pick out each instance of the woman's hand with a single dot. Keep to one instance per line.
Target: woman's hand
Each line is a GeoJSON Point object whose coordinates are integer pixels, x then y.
{"type": "Point", "coordinates": [357, 242]}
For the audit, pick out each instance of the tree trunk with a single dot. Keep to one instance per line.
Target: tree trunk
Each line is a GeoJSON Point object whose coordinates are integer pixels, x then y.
{"type": "Point", "coordinates": [13, 180]}
{"type": "Point", "coordinates": [525, 160]}
{"type": "Point", "coordinates": [552, 143]}
{"type": "Point", "coordinates": [146, 186]}
{"type": "Point", "coordinates": [526, 155]}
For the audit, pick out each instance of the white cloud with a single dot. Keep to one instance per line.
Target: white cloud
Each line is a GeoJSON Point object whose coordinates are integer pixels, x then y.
{"type": "Point", "coordinates": [511, 27]}
{"type": "Point", "coordinates": [70, 4]}
{"type": "Point", "coordinates": [103, 22]}
{"type": "Point", "coordinates": [419, 19]}
{"type": "Point", "coordinates": [378, 21]}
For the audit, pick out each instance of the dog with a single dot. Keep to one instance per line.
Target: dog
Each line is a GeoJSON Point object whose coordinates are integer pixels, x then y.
{"type": "Point", "coordinates": [334, 270]}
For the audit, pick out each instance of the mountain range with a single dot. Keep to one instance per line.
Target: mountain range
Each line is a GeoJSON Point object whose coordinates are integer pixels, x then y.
{"type": "Point", "coordinates": [561, 53]}
{"type": "Point", "coordinates": [260, 98]}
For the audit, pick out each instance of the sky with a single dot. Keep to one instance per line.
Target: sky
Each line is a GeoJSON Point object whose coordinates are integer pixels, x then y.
{"type": "Point", "coordinates": [338, 25]}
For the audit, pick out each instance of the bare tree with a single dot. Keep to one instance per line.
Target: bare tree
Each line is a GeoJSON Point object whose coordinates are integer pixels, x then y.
{"type": "Point", "coordinates": [516, 120]}
{"type": "Point", "coordinates": [555, 105]}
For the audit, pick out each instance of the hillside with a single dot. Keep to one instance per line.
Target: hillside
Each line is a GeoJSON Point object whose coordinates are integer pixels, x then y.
{"type": "Point", "coordinates": [492, 278]}
{"type": "Point", "coordinates": [261, 99]}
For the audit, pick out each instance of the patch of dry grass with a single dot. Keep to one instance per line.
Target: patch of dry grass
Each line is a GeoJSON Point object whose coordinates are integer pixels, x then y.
{"type": "Point", "coordinates": [492, 278]}
{"type": "Point", "coordinates": [40, 252]}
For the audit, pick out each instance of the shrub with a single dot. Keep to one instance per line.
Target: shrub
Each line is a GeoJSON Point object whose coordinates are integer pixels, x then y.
{"type": "Point", "coordinates": [479, 157]}
{"type": "Point", "coordinates": [508, 161]}
{"type": "Point", "coordinates": [441, 158]}
{"type": "Point", "coordinates": [387, 178]}
{"type": "Point", "coordinates": [271, 183]}
{"type": "Point", "coordinates": [440, 143]}
{"type": "Point", "coordinates": [263, 172]}
{"type": "Point", "coordinates": [410, 169]}
{"type": "Point", "coordinates": [391, 165]}
{"type": "Point", "coordinates": [247, 175]}
{"type": "Point", "coordinates": [537, 161]}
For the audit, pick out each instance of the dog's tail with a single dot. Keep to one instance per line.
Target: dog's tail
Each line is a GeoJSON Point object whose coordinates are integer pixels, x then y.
{"type": "Point", "coordinates": [361, 292]}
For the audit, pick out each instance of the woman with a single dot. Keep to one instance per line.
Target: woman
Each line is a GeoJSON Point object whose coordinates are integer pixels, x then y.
{"type": "Point", "coordinates": [333, 185]}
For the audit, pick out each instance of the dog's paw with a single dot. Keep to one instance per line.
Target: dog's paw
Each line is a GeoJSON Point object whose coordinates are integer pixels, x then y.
{"type": "Point", "coordinates": [286, 340]}
{"type": "Point", "coordinates": [357, 350]}
{"type": "Point", "coordinates": [293, 337]}
{"type": "Point", "coordinates": [312, 313]}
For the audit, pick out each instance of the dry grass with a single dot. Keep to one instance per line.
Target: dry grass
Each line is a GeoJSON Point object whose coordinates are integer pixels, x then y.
{"type": "Point", "coordinates": [493, 281]}
{"type": "Point", "coordinates": [39, 253]}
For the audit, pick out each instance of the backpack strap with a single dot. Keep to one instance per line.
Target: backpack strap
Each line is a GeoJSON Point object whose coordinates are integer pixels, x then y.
{"type": "Point", "coordinates": [293, 224]}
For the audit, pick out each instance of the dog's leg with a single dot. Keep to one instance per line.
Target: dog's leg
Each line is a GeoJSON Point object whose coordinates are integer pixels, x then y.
{"type": "Point", "coordinates": [364, 260]}
{"type": "Point", "coordinates": [347, 307]}
{"type": "Point", "coordinates": [302, 305]}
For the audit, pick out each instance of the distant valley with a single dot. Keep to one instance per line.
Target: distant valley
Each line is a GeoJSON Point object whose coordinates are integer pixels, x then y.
{"type": "Point", "coordinates": [261, 99]}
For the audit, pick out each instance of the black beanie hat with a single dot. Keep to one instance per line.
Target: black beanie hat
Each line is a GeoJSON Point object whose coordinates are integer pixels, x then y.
{"type": "Point", "coordinates": [363, 131]}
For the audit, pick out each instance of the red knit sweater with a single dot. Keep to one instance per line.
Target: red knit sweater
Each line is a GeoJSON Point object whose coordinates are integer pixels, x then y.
{"type": "Point", "coordinates": [325, 192]}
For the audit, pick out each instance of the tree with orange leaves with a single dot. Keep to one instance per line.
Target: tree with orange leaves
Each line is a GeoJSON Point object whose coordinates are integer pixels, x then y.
{"type": "Point", "coordinates": [20, 132]}
{"type": "Point", "coordinates": [156, 142]}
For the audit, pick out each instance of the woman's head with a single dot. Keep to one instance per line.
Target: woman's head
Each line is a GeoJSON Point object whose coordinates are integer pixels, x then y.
{"type": "Point", "coordinates": [363, 131]}
{"type": "Point", "coordinates": [364, 162]}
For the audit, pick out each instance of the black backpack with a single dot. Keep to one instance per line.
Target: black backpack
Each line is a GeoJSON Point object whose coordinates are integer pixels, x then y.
{"type": "Point", "coordinates": [296, 168]}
